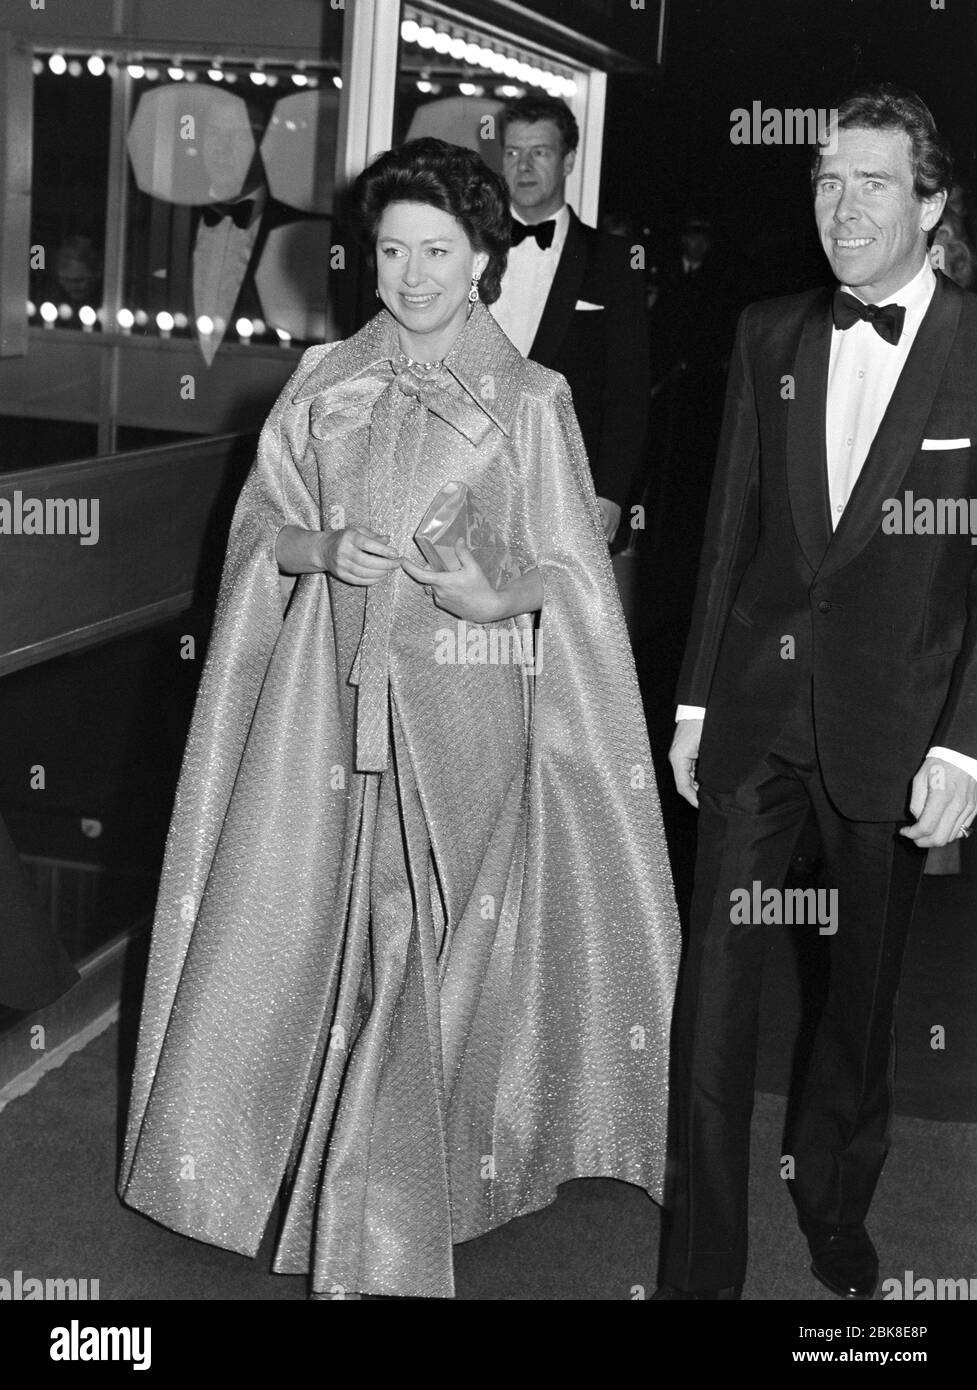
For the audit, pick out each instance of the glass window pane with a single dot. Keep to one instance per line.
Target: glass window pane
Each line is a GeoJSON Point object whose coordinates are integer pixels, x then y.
{"type": "Point", "coordinates": [231, 205]}
{"type": "Point", "coordinates": [69, 187]}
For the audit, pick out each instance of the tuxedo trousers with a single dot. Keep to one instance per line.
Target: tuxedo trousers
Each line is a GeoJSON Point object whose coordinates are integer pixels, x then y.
{"type": "Point", "coordinates": [745, 842]}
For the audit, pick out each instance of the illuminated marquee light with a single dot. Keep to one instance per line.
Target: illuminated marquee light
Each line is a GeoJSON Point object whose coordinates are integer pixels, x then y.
{"type": "Point", "coordinates": [463, 46]}
{"type": "Point", "coordinates": [174, 67]}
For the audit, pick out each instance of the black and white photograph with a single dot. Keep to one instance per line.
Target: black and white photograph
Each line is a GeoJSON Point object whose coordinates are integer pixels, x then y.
{"type": "Point", "coordinates": [488, 670]}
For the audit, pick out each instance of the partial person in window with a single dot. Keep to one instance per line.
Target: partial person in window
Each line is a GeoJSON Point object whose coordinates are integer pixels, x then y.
{"type": "Point", "coordinates": [76, 282]}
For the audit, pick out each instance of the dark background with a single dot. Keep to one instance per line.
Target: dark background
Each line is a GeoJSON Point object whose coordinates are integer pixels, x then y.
{"type": "Point", "coordinates": [668, 147]}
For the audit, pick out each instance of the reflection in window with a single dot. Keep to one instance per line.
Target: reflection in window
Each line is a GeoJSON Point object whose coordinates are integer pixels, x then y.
{"type": "Point", "coordinates": [230, 208]}
{"type": "Point", "coordinates": [69, 190]}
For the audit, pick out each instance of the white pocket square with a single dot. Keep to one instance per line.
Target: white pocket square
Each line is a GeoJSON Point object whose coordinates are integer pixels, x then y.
{"type": "Point", "coordinates": [583, 304]}
{"type": "Point", "coordinates": [945, 444]}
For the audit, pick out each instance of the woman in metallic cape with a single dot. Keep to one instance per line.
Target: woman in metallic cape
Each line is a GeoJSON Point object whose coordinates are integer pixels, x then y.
{"type": "Point", "coordinates": [415, 945]}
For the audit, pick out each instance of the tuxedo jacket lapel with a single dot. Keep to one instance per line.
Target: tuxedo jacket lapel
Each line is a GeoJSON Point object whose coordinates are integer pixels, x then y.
{"type": "Point", "coordinates": [903, 427]}
{"type": "Point", "coordinates": [807, 459]}
{"type": "Point", "coordinates": [563, 295]}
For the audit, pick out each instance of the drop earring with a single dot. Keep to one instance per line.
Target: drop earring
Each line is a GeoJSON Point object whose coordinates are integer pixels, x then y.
{"type": "Point", "coordinates": [473, 292]}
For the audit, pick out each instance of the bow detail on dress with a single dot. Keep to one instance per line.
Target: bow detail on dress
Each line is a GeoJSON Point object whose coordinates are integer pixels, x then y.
{"type": "Point", "coordinates": [349, 405]}
{"type": "Point", "coordinates": [394, 402]}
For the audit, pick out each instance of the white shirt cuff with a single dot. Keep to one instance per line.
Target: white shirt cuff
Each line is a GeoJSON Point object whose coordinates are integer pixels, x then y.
{"type": "Point", "coordinates": [689, 712]}
{"type": "Point", "coordinates": [957, 759]}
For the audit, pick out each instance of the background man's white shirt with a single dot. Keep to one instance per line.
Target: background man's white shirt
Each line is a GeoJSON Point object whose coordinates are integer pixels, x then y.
{"type": "Point", "coordinates": [527, 282]}
{"type": "Point", "coordinates": [221, 256]}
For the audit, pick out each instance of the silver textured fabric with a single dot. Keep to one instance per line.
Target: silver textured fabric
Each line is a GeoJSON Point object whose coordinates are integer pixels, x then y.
{"type": "Point", "coordinates": [411, 1001]}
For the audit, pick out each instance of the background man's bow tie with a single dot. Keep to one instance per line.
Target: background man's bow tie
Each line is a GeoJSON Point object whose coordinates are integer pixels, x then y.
{"type": "Point", "coordinates": [886, 319]}
{"type": "Point", "coordinates": [542, 231]}
{"type": "Point", "coordinates": [240, 212]}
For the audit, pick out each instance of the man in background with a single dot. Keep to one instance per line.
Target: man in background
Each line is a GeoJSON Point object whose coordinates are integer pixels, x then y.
{"type": "Point", "coordinates": [570, 299]}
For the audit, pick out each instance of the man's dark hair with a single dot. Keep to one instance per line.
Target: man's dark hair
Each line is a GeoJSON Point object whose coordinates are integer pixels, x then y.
{"type": "Point", "coordinates": [444, 176]}
{"type": "Point", "coordinates": [887, 107]}
{"type": "Point", "coordinates": [540, 107]}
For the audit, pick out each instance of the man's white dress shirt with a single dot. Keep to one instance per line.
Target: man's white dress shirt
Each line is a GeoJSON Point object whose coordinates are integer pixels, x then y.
{"type": "Point", "coordinates": [221, 256]}
{"type": "Point", "coordinates": [527, 282]}
{"type": "Point", "coordinates": [862, 373]}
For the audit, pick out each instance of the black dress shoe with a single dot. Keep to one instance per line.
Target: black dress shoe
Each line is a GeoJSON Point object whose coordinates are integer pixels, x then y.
{"type": "Point", "coordinates": [669, 1291]}
{"type": "Point", "coordinates": [843, 1258]}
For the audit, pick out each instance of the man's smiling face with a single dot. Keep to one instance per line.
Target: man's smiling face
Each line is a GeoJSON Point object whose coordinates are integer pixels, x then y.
{"type": "Point", "coordinates": [872, 226]}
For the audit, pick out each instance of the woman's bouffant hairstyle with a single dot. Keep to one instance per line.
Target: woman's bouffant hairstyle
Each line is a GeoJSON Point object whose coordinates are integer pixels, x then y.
{"type": "Point", "coordinates": [888, 107]}
{"type": "Point", "coordinates": [444, 176]}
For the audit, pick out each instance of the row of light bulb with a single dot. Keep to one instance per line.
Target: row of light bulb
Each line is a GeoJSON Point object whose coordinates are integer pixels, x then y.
{"type": "Point", "coordinates": [463, 50]}
{"type": "Point", "coordinates": [58, 64]}
{"type": "Point", "coordinates": [412, 32]}
{"type": "Point", "coordinates": [468, 89]}
{"type": "Point", "coordinates": [127, 319]}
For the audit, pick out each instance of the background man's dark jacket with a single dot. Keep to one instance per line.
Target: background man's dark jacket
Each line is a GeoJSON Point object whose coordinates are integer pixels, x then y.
{"type": "Point", "coordinates": [603, 353]}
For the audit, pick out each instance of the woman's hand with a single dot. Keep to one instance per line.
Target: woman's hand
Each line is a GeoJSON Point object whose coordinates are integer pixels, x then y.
{"type": "Point", "coordinates": [463, 591]}
{"type": "Point", "coordinates": [357, 555]}
{"type": "Point", "coordinates": [467, 594]}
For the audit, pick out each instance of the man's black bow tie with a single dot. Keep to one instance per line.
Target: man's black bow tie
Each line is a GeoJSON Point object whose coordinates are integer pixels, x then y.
{"type": "Point", "coordinates": [886, 319]}
{"type": "Point", "coordinates": [542, 231]}
{"type": "Point", "coordinates": [240, 212]}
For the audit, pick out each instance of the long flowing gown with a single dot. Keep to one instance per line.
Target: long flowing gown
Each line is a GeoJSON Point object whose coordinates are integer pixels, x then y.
{"type": "Point", "coordinates": [416, 944]}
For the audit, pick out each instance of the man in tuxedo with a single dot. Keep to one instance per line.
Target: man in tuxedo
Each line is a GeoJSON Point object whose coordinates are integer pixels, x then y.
{"type": "Point", "coordinates": [831, 664]}
{"type": "Point", "coordinates": [231, 231]}
{"type": "Point", "coordinates": [570, 299]}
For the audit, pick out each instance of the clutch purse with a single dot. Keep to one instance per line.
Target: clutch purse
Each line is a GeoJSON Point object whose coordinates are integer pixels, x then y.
{"type": "Point", "coordinates": [454, 515]}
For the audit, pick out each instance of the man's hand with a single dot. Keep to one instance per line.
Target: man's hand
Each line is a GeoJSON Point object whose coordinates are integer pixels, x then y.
{"type": "Point", "coordinates": [683, 754]}
{"type": "Point", "coordinates": [943, 801]}
{"type": "Point", "coordinates": [610, 514]}
{"type": "Point", "coordinates": [464, 591]}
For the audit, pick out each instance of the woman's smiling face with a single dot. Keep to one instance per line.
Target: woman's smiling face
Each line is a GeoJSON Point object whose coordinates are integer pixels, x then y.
{"type": "Point", "coordinates": [425, 264]}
